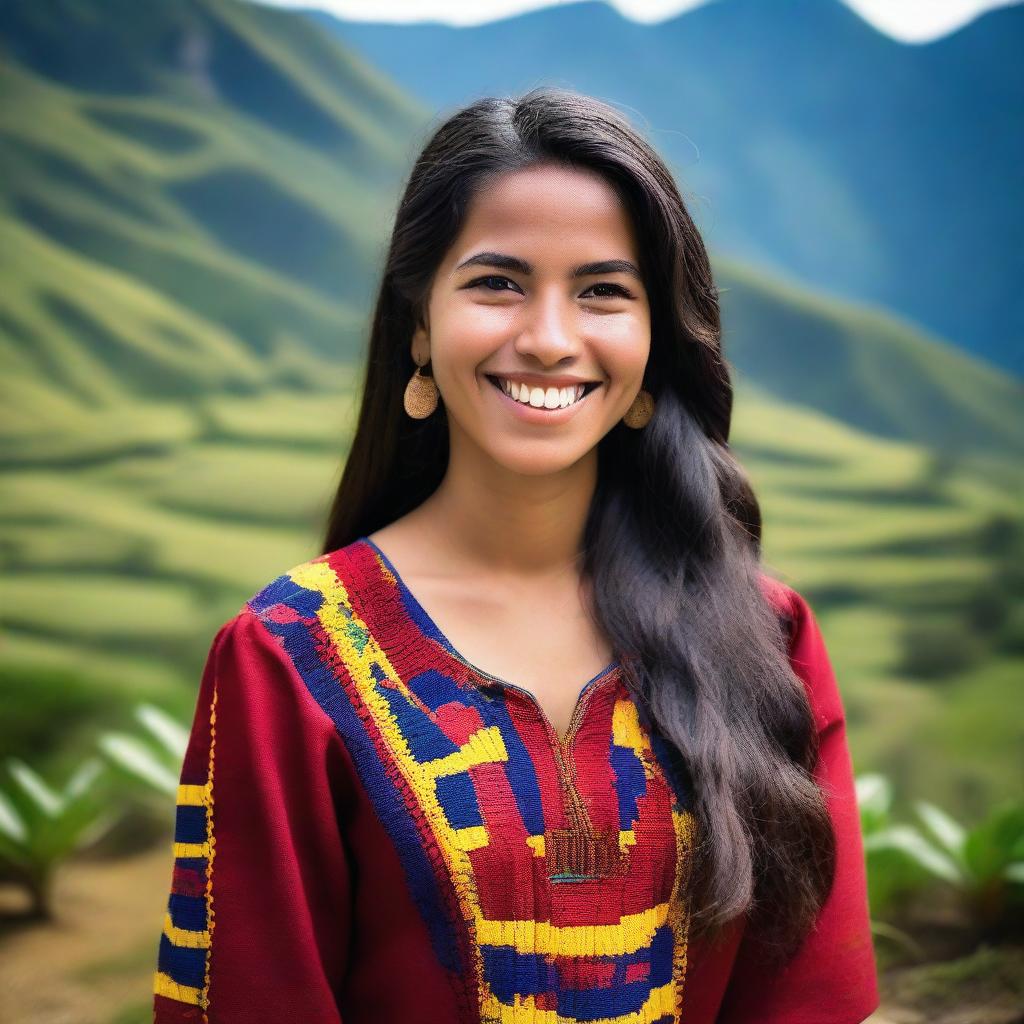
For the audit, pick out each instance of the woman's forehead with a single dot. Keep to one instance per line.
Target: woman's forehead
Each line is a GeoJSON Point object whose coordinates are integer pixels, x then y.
{"type": "Point", "coordinates": [547, 224]}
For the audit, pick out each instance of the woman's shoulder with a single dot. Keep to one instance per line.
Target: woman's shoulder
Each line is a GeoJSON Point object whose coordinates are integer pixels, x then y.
{"type": "Point", "coordinates": [808, 653]}
{"type": "Point", "coordinates": [304, 588]}
{"type": "Point", "coordinates": [297, 596]}
{"type": "Point", "coordinates": [787, 601]}
{"type": "Point", "coordinates": [295, 632]}
{"type": "Point", "coordinates": [792, 606]}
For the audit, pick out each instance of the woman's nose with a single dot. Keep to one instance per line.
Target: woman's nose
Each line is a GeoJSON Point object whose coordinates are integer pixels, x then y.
{"type": "Point", "coordinates": [550, 332]}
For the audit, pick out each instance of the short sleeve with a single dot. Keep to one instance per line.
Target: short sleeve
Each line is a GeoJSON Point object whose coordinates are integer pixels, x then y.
{"type": "Point", "coordinates": [257, 921]}
{"type": "Point", "coordinates": [832, 979]}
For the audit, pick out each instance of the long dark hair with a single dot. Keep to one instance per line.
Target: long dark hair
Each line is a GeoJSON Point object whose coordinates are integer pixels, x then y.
{"type": "Point", "coordinates": [673, 536]}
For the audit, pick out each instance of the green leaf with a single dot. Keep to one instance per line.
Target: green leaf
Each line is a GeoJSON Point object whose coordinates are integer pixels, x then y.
{"type": "Point", "coordinates": [11, 823]}
{"type": "Point", "coordinates": [165, 729]}
{"type": "Point", "coordinates": [874, 797]}
{"type": "Point", "coordinates": [949, 833]}
{"type": "Point", "coordinates": [910, 842]}
{"type": "Point", "coordinates": [49, 802]}
{"type": "Point", "coordinates": [137, 759]}
{"type": "Point", "coordinates": [992, 845]}
{"type": "Point", "coordinates": [15, 853]}
{"type": "Point", "coordinates": [874, 793]}
{"type": "Point", "coordinates": [85, 775]}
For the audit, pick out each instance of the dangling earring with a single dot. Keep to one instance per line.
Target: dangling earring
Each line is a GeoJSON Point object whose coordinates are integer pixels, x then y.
{"type": "Point", "coordinates": [640, 412]}
{"type": "Point", "coordinates": [420, 395]}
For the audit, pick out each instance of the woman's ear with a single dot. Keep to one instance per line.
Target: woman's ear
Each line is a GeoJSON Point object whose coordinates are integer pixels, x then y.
{"type": "Point", "coordinates": [421, 339]}
{"type": "Point", "coordinates": [420, 353]}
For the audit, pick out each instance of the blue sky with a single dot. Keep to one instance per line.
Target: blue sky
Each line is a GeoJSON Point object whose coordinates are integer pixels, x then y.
{"type": "Point", "coordinates": [911, 21]}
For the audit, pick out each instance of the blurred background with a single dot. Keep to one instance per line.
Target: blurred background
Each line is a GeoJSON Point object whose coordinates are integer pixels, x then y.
{"type": "Point", "coordinates": [195, 196]}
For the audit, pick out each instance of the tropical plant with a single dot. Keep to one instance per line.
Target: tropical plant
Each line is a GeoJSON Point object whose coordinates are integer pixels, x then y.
{"type": "Point", "coordinates": [982, 865]}
{"type": "Point", "coordinates": [40, 827]}
{"type": "Point", "coordinates": [893, 877]}
{"type": "Point", "coordinates": [894, 852]}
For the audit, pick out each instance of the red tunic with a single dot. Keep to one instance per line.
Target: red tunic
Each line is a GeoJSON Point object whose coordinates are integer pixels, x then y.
{"type": "Point", "coordinates": [371, 830]}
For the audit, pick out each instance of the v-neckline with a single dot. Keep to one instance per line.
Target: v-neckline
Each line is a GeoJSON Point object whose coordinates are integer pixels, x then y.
{"type": "Point", "coordinates": [435, 634]}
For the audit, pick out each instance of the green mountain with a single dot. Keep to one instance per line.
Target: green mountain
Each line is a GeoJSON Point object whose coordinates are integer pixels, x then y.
{"type": "Point", "coordinates": [192, 197]}
{"type": "Point", "coordinates": [810, 142]}
{"type": "Point", "coordinates": [867, 367]}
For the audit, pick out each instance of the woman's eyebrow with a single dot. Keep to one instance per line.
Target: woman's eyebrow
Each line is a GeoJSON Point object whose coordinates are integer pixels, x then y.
{"type": "Point", "coordinates": [520, 266]}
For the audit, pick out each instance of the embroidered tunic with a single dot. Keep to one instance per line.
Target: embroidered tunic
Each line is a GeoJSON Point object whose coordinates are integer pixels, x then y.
{"type": "Point", "coordinates": [371, 830]}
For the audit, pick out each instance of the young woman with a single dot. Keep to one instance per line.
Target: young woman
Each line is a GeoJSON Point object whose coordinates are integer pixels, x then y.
{"type": "Point", "coordinates": [536, 738]}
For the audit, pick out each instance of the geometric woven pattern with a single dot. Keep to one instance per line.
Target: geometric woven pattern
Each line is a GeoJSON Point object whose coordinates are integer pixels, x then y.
{"type": "Point", "coordinates": [182, 963]}
{"type": "Point", "coordinates": [551, 873]}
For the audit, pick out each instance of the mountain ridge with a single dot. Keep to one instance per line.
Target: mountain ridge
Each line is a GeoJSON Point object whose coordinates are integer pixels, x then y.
{"type": "Point", "coordinates": [818, 146]}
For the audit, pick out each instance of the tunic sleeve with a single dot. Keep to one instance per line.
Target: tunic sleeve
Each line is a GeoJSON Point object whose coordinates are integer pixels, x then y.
{"type": "Point", "coordinates": [832, 979]}
{"type": "Point", "coordinates": [257, 922]}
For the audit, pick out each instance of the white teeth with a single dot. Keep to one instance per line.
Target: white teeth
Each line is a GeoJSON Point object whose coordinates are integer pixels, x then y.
{"type": "Point", "coordinates": [550, 398]}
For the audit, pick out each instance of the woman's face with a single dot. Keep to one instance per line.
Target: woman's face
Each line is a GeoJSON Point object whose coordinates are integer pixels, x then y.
{"type": "Point", "coordinates": [506, 303]}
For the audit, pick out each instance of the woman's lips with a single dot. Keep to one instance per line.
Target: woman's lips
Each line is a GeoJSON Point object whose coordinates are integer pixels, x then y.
{"type": "Point", "coordinates": [534, 414]}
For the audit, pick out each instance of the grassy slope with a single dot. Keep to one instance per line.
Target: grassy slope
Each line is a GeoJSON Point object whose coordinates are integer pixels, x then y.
{"type": "Point", "coordinates": [254, 220]}
{"type": "Point", "coordinates": [885, 540]}
{"type": "Point", "coordinates": [865, 366]}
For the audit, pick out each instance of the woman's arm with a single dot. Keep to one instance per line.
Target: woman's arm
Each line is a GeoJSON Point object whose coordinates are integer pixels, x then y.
{"type": "Point", "coordinates": [832, 979]}
{"type": "Point", "coordinates": [257, 921]}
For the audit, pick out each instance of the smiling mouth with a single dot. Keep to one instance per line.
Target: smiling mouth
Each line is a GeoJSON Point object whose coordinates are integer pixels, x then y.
{"type": "Point", "coordinates": [587, 389]}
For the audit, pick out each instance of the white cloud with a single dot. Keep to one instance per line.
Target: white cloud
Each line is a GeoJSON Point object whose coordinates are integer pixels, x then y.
{"type": "Point", "coordinates": [911, 21]}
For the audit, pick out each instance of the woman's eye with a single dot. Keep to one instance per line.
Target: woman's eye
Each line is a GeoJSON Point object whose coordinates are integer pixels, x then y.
{"type": "Point", "coordinates": [617, 290]}
{"type": "Point", "coordinates": [482, 280]}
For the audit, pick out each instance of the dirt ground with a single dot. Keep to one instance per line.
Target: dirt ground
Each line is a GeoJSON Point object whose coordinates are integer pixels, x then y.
{"type": "Point", "coordinates": [95, 964]}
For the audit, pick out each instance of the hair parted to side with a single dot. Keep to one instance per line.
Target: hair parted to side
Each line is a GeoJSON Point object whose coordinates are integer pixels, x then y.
{"type": "Point", "coordinates": [672, 539]}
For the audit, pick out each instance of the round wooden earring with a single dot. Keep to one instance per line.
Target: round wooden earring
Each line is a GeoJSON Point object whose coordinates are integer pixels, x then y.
{"type": "Point", "coordinates": [421, 393]}
{"type": "Point", "coordinates": [640, 412]}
